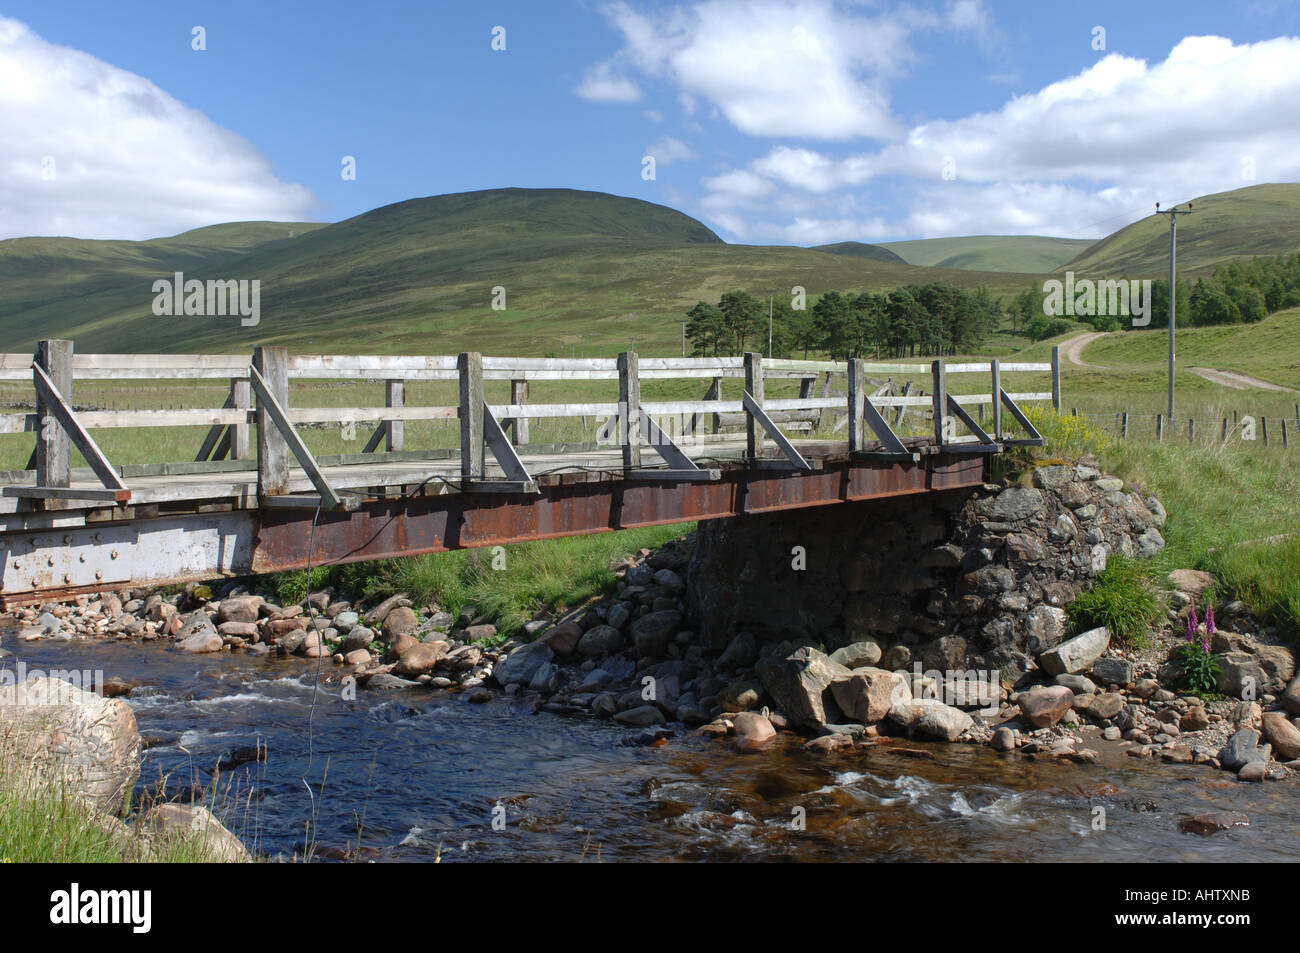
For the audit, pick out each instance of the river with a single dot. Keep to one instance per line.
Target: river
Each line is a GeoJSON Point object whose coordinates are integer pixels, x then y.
{"type": "Point", "coordinates": [410, 776]}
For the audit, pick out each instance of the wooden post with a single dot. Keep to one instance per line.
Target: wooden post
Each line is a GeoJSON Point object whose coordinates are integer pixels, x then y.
{"type": "Point", "coordinates": [1263, 429]}
{"type": "Point", "coordinates": [1123, 427]}
{"type": "Point", "coordinates": [995, 366]}
{"type": "Point", "coordinates": [1285, 442]}
{"type": "Point", "coordinates": [940, 399]}
{"type": "Point", "coordinates": [395, 431]}
{"type": "Point", "coordinates": [1225, 429]}
{"type": "Point", "coordinates": [1160, 427]}
{"type": "Point", "coordinates": [857, 397]}
{"type": "Point", "coordinates": [754, 385]}
{"type": "Point", "coordinates": [1191, 430]}
{"type": "Point", "coordinates": [629, 403]}
{"type": "Point", "coordinates": [1056, 378]}
{"type": "Point", "coordinates": [53, 446]}
{"type": "Point", "coordinates": [272, 449]}
{"type": "Point", "coordinates": [715, 393]}
{"type": "Point", "coordinates": [241, 395]}
{"type": "Point", "coordinates": [519, 425]}
{"type": "Point", "coordinates": [469, 369]}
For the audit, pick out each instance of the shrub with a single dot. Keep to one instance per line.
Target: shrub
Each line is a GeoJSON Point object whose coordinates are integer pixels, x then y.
{"type": "Point", "coordinates": [1123, 599]}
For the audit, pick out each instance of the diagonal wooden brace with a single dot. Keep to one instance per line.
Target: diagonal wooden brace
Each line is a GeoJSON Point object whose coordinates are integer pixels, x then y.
{"type": "Point", "coordinates": [986, 442]}
{"type": "Point", "coordinates": [495, 437]}
{"type": "Point", "coordinates": [663, 445]}
{"type": "Point", "coordinates": [329, 496]}
{"type": "Point", "coordinates": [757, 413]}
{"type": "Point", "coordinates": [1035, 438]}
{"type": "Point", "coordinates": [76, 433]}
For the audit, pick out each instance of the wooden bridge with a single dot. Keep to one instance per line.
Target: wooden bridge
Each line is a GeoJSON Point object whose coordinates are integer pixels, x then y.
{"type": "Point", "coordinates": [255, 499]}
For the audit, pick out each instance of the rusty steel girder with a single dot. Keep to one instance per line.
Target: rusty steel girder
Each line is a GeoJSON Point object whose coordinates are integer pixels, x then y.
{"type": "Point", "coordinates": [385, 528]}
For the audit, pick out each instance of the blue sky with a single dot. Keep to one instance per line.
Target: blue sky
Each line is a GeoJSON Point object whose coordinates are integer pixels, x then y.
{"type": "Point", "coordinates": [773, 121]}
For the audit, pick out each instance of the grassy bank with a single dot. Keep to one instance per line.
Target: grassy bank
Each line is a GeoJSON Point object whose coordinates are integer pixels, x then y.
{"type": "Point", "coordinates": [1231, 510]}
{"type": "Point", "coordinates": [509, 584]}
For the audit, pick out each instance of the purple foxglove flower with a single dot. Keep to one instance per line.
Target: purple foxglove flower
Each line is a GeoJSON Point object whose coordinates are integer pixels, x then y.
{"type": "Point", "coordinates": [1209, 620]}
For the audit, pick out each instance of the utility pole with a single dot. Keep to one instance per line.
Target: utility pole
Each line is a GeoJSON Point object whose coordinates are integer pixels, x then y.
{"type": "Point", "coordinates": [771, 296]}
{"type": "Point", "coordinates": [1173, 212]}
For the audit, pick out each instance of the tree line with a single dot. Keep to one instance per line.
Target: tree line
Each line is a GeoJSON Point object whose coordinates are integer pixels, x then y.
{"type": "Point", "coordinates": [928, 319]}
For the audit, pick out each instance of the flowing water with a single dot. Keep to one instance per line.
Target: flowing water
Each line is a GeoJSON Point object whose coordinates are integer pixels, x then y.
{"type": "Point", "coordinates": [420, 774]}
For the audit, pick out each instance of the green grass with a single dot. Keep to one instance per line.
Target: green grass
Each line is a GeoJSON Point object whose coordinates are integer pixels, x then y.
{"type": "Point", "coordinates": [1124, 599]}
{"type": "Point", "coordinates": [1028, 254]}
{"type": "Point", "coordinates": [509, 586]}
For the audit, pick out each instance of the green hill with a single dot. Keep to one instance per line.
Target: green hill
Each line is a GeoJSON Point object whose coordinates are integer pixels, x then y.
{"type": "Point", "coordinates": [860, 250]}
{"type": "Point", "coordinates": [581, 272]}
{"type": "Point", "coordinates": [1034, 254]}
{"type": "Point", "coordinates": [1259, 220]}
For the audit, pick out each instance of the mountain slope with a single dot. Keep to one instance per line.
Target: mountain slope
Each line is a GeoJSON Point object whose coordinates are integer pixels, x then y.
{"type": "Point", "coordinates": [1018, 253]}
{"type": "Point", "coordinates": [860, 250]}
{"type": "Point", "coordinates": [1259, 220]}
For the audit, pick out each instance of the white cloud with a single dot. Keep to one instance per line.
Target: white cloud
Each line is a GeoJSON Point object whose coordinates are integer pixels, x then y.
{"type": "Point", "coordinates": [93, 151]}
{"type": "Point", "coordinates": [669, 150]}
{"type": "Point", "coordinates": [602, 83]}
{"type": "Point", "coordinates": [1074, 156]}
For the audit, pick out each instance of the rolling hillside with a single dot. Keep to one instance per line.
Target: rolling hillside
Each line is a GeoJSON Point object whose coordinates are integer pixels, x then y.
{"type": "Point", "coordinates": [860, 250]}
{"type": "Point", "coordinates": [583, 272]}
{"type": "Point", "coordinates": [1259, 220]}
{"type": "Point", "coordinates": [1036, 254]}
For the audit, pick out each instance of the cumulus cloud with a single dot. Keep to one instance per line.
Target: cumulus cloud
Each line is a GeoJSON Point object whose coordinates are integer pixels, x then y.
{"type": "Point", "coordinates": [1081, 152]}
{"type": "Point", "coordinates": [669, 150]}
{"type": "Point", "coordinates": [93, 151]}
{"type": "Point", "coordinates": [602, 83]}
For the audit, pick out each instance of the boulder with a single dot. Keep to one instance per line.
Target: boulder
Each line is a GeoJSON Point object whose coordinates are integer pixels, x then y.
{"type": "Point", "coordinates": [741, 652]}
{"type": "Point", "coordinates": [1076, 655]}
{"type": "Point", "coordinates": [401, 621]}
{"type": "Point", "coordinates": [653, 632]}
{"type": "Point", "coordinates": [198, 635]}
{"type": "Point", "coordinates": [73, 737]}
{"type": "Point", "coordinates": [1291, 697]}
{"type": "Point", "coordinates": [1106, 705]}
{"type": "Point", "coordinates": [168, 823]}
{"type": "Point", "coordinates": [640, 717]}
{"type": "Point", "coordinates": [1241, 675]}
{"type": "Point", "coordinates": [930, 717]}
{"type": "Point", "coordinates": [1113, 671]}
{"type": "Point", "coordinates": [858, 655]}
{"type": "Point", "coordinates": [1212, 821]}
{"type": "Point", "coordinates": [1282, 735]}
{"type": "Point", "coordinates": [1004, 739]}
{"type": "Point", "coordinates": [868, 694]}
{"type": "Point", "coordinates": [563, 638]}
{"type": "Point", "coordinates": [740, 696]}
{"type": "Point", "coordinates": [800, 684]}
{"type": "Point", "coordinates": [420, 659]}
{"type": "Point", "coordinates": [1017, 503]}
{"type": "Point", "coordinates": [239, 609]}
{"type": "Point", "coordinates": [599, 641]}
{"type": "Point", "coordinates": [1043, 706]}
{"type": "Point", "coordinates": [359, 637]}
{"type": "Point", "coordinates": [753, 731]}
{"type": "Point", "coordinates": [522, 664]}
{"type": "Point", "coordinates": [1241, 749]}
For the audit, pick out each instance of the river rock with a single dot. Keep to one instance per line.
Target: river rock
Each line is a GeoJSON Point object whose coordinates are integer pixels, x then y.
{"type": "Point", "coordinates": [420, 659]}
{"type": "Point", "coordinates": [1241, 749]}
{"type": "Point", "coordinates": [1004, 739]}
{"type": "Point", "coordinates": [1279, 666]}
{"type": "Point", "coordinates": [640, 717]}
{"type": "Point", "coordinates": [401, 621]}
{"type": "Point", "coordinates": [800, 684]}
{"type": "Point", "coordinates": [358, 637]}
{"type": "Point", "coordinates": [599, 641]}
{"type": "Point", "coordinates": [522, 664]}
{"type": "Point", "coordinates": [653, 632]}
{"type": "Point", "coordinates": [1194, 582]}
{"type": "Point", "coordinates": [741, 652]}
{"type": "Point", "coordinates": [89, 743]}
{"type": "Point", "coordinates": [240, 630]}
{"type": "Point", "coordinates": [1076, 655]}
{"type": "Point", "coordinates": [931, 717]}
{"type": "Point", "coordinates": [1291, 697]}
{"type": "Point", "coordinates": [192, 823]}
{"type": "Point", "coordinates": [1106, 705]}
{"type": "Point", "coordinates": [1017, 503]}
{"type": "Point", "coordinates": [1212, 821]}
{"type": "Point", "coordinates": [198, 635]}
{"type": "Point", "coordinates": [740, 696]}
{"type": "Point", "coordinates": [239, 609]}
{"type": "Point", "coordinates": [1282, 735]}
{"type": "Point", "coordinates": [1079, 684]}
{"type": "Point", "coordinates": [379, 613]}
{"type": "Point", "coordinates": [356, 657]}
{"type": "Point", "coordinates": [858, 655]}
{"type": "Point", "coordinates": [1113, 671]}
{"type": "Point", "coordinates": [1253, 771]}
{"type": "Point", "coordinates": [1241, 675]}
{"type": "Point", "coordinates": [753, 731]}
{"type": "Point", "coordinates": [868, 694]}
{"type": "Point", "coordinates": [1044, 705]}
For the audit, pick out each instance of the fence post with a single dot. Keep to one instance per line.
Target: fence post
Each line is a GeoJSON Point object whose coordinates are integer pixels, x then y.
{"type": "Point", "coordinates": [469, 368]}
{"type": "Point", "coordinates": [395, 432]}
{"type": "Point", "coordinates": [272, 449]}
{"type": "Point", "coordinates": [241, 395]}
{"type": "Point", "coordinates": [1191, 430]}
{"type": "Point", "coordinates": [519, 426]}
{"type": "Point", "coordinates": [1263, 427]}
{"type": "Point", "coordinates": [995, 366]}
{"type": "Point", "coordinates": [1160, 427]}
{"type": "Point", "coordinates": [629, 399]}
{"type": "Point", "coordinates": [1056, 378]}
{"type": "Point", "coordinates": [1123, 427]}
{"type": "Point", "coordinates": [1285, 442]}
{"type": "Point", "coordinates": [753, 384]}
{"type": "Point", "coordinates": [857, 396]}
{"type": "Point", "coordinates": [940, 399]}
{"type": "Point", "coordinates": [53, 446]}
